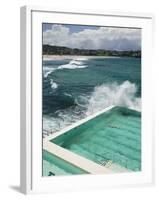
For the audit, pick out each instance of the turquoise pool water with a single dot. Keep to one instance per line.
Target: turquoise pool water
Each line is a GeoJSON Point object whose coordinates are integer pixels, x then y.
{"type": "Point", "coordinates": [113, 136]}
{"type": "Point", "coordinates": [54, 166]}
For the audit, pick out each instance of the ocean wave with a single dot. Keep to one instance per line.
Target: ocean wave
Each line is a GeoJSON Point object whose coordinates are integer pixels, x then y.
{"type": "Point", "coordinates": [73, 64]}
{"type": "Point", "coordinates": [67, 94]}
{"type": "Point", "coordinates": [114, 94]}
{"type": "Point", "coordinates": [53, 84]}
{"type": "Point", "coordinates": [47, 71]}
{"type": "Point", "coordinates": [63, 119]}
{"type": "Point", "coordinates": [103, 96]}
{"type": "Point", "coordinates": [82, 58]}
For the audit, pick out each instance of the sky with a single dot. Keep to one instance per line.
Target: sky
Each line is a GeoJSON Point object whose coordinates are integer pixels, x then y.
{"type": "Point", "coordinates": [92, 37]}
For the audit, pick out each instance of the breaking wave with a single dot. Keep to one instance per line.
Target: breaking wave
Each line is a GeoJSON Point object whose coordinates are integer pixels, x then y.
{"type": "Point", "coordinates": [53, 84]}
{"type": "Point", "coordinates": [103, 96]}
{"type": "Point", "coordinates": [47, 71]}
{"type": "Point", "coordinates": [73, 64]}
{"type": "Point", "coordinates": [113, 94]}
{"type": "Point", "coordinates": [64, 118]}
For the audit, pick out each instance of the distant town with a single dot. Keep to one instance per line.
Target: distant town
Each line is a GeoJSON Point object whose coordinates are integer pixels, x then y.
{"type": "Point", "coordinates": [61, 50]}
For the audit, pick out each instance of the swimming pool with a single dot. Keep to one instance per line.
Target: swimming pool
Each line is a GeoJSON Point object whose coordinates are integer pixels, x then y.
{"type": "Point", "coordinates": [113, 137]}
{"type": "Point", "coordinates": [54, 166]}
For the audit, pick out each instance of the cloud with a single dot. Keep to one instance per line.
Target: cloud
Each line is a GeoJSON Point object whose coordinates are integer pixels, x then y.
{"type": "Point", "coordinates": [101, 38]}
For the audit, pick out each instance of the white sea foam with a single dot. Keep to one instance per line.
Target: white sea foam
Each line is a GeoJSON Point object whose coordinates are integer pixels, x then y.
{"type": "Point", "coordinates": [73, 64]}
{"type": "Point", "coordinates": [103, 96]}
{"type": "Point", "coordinates": [53, 84]}
{"type": "Point", "coordinates": [67, 94]}
{"type": "Point", "coordinates": [82, 58]}
{"type": "Point", "coordinates": [113, 94]}
{"type": "Point", "coordinates": [51, 123]}
{"type": "Point", "coordinates": [47, 71]}
{"type": "Point", "coordinates": [64, 118]}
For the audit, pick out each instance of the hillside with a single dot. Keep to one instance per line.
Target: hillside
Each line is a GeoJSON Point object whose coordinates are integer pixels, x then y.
{"type": "Point", "coordinates": [59, 50]}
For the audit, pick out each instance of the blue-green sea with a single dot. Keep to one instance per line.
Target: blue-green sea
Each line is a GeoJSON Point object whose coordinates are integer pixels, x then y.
{"type": "Point", "coordinates": [76, 88]}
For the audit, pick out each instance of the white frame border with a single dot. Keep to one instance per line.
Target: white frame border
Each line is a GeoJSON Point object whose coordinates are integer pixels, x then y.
{"type": "Point", "coordinates": [27, 175]}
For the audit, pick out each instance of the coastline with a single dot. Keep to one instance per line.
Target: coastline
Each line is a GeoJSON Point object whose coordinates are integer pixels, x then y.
{"type": "Point", "coordinates": [73, 57]}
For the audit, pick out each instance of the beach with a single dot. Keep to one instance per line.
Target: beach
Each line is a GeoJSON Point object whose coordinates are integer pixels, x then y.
{"type": "Point", "coordinates": [73, 57]}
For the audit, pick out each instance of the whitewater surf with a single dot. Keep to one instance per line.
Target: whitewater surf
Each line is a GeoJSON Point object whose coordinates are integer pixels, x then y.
{"type": "Point", "coordinates": [75, 89]}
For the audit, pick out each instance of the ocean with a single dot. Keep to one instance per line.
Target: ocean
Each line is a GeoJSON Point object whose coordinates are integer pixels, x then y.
{"type": "Point", "coordinates": [75, 89]}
